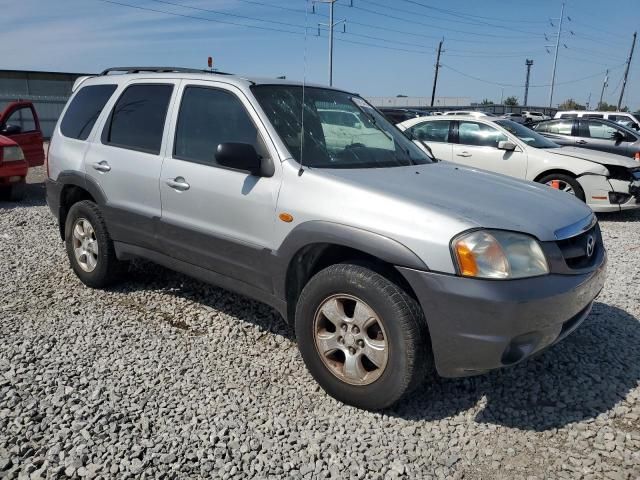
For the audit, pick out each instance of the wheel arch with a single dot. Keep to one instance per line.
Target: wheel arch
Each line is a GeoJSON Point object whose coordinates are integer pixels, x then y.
{"type": "Point", "coordinates": [75, 188]}
{"type": "Point", "coordinates": [315, 245]}
{"type": "Point", "coordinates": [552, 171]}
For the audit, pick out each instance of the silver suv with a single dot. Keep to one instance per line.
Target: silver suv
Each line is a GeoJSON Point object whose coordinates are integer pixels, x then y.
{"type": "Point", "coordinates": [388, 264]}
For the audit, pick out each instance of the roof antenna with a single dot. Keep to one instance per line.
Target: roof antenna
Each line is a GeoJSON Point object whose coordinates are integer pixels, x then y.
{"type": "Point", "coordinates": [304, 81]}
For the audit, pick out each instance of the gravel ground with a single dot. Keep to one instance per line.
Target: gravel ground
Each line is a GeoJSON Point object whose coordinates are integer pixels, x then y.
{"type": "Point", "coordinates": [168, 377]}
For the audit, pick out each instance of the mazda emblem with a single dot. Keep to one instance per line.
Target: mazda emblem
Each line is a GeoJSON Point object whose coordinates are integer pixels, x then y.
{"type": "Point", "coordinates": [591, 245]}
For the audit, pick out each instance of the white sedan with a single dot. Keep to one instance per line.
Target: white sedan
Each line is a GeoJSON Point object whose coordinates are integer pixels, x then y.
{"type": "Point", "coordinates": [606, 182]}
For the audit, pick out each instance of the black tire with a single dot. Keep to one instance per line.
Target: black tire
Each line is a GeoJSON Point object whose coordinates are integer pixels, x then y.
{"type": "Point", "coordinates": [17, 191]}
{"type": "Point", "coordinates": [579, 193]}
{"type": "Point", "coordinates": [409, 353]}
{"type": "Point", "coordinates": [108, 268]}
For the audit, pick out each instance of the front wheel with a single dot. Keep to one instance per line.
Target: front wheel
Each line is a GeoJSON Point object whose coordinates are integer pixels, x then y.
{"type": "Point", "coordinates": [564, 183]}
{"type": "Point", "coordinates": [362, 337]}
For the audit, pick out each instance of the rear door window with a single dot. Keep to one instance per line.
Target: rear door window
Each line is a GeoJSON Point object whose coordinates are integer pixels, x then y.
{"type": "Point", "coordinates": [84, 110]}
{"type": "Point", "coordinates": [138, 117]}
{"type": "Point", "coordinates": [437, 131]}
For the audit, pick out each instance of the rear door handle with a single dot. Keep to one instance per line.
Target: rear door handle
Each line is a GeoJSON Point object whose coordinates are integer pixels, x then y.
{"type": "Point", "coordinates": [102, 166]}
{"type": "Point", "coordinates": [178, 183]}
{"type": "Point", "coordinates": [581, 142]}
{"type": "Point", "coordinates": [464, 154]}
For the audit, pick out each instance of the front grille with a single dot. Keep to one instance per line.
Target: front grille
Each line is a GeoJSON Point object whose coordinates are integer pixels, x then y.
{"type": "Point", "coordinates": [575, 249]}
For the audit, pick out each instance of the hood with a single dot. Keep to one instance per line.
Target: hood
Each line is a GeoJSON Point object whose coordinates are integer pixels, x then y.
{"type": "Point", "coordinates": [476, 197]}
{"type": "Point", "coordinates": [595, 156]}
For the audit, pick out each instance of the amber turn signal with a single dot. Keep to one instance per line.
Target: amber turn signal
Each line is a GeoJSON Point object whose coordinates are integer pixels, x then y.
{"type": "Point", "coordinates": [466, 260]}
{"type": "Point", "coordinates": [286, 217]}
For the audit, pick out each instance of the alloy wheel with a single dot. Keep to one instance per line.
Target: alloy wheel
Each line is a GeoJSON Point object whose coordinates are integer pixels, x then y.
{"type": "Point", "coordinates": [85, 244]}
{"type": "Point", "coordinates": [350, 339]}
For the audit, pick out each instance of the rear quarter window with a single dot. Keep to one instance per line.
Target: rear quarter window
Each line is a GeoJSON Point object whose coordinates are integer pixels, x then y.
{"type": "Point", "coordinates": [84, 110]}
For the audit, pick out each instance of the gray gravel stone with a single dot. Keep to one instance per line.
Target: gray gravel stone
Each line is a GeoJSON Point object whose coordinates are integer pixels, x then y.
{"type": "Point", "coordinates": [166, 377]}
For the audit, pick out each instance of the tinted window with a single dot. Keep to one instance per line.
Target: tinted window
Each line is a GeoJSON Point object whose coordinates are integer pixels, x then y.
{"type": "Point", "coordinates": [560, 127]}
{"type": "Point", "coordinates": [137, 120]}
{"type": "Point", "coordinates": [23, 118]}
{"type": "Point", "coordinates": [478, 134]}
{"type": "Point", "coordinates": [207, 118]}
{"type": "Point", "coordinates": [593, 115]}
{"type": "Point", "coordinates": [527, 135]}
{"type": "Point", "coordinates": [569, 115]}
{"type": "Point", "coordinates": [84, 110]}
{"type": "Point", "coordinates": [437, 131]}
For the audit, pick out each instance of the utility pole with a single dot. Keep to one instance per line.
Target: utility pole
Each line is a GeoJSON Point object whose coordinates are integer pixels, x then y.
{"type": "Point", "coordinates": [435, 79]}
{"type": "Point", "coordinates": [555, 58]}
{"type": "Point", "coordinates": [528, 63]}
{"type": "Point", "coordinates": [626, 70]}
{"type": "Point", "coordinates": [588, 101]}
{"type": "Point", "coordinates": [330, 26]}
{"type": "Point", "coordinates": [604, 85]}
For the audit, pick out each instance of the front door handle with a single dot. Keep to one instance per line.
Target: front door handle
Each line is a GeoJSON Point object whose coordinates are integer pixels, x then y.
{"type": "Point", "coordinates": [581, 142]}
{"type": "Point", "coordinates": [178, 183]}
{"type": "Point", "coordinates": [464, 154]}
{"type": "Point", "coordinates": [102, 166]}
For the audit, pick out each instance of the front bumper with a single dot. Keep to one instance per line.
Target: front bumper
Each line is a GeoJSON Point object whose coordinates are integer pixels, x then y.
{"type": "Point", "coordinates": [479, 325]}
{"type": "Point", "coordinates": [598, 190]}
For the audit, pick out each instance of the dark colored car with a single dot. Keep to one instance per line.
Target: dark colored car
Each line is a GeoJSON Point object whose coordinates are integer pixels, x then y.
{"type": "Point", "coordinates": [398, 115]}
{"type": "Point", "coordinates": [593, 133]}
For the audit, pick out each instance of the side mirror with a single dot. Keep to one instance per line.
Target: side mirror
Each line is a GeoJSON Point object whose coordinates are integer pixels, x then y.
{"type": "Point", "coordinates": [243, 156]}
{"type": "Point", "coordinates": [617, 137]}
{"type": "Point", "coordinates": [8, 129]}
{"type": "Point", "coordinates": [506, 145]}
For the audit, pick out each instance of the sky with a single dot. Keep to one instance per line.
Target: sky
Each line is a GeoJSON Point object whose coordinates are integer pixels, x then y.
{"type": "Point", "coordinates": [387, 48]}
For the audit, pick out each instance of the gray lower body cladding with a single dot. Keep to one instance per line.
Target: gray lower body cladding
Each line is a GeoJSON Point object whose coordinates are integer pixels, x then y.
{"type": "Point", "coordinates": [479, 325]}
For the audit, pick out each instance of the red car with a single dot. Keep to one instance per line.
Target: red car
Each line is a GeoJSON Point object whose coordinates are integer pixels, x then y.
{"type": "Point", "coordinates": [21, 147]}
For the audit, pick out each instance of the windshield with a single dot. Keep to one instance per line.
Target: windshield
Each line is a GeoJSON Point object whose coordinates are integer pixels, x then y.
{"type": "Point", "coordinates": [531, 138]}
{"type": "Point", "coordinates": [340, 130]}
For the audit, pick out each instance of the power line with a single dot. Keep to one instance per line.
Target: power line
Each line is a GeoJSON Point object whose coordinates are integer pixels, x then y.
{"type": "Point", "coordinates": [530, 86]}
{"type": "Point", "coordinates": [208, 10]}
{"type": "Point", "coordinates": [416, 22]}
{"type": "Point", "coordinates": [194, 17]}
{"type": "Point", "coordinates": [467, 15]}
{"type": "Point", "coordinates": [459, 15]}
{"type": "Point", "coordinates": [138, 7]}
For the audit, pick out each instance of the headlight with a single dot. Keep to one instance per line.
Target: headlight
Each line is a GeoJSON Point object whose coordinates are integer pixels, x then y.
{"type": "Point", "coordinates": [11, 154]}
{"type": "Point", "coordinates": [498, 254]}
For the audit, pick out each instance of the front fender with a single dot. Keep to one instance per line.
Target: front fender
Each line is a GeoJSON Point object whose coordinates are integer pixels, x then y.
{"type": "Point", "coordinates": [576, 166]}
{"type": "Point", "coordinates": [323, 232]}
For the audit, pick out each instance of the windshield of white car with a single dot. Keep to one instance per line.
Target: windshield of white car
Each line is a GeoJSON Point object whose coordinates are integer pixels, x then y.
{"type": "Point", "coordinates": [531, 138]}
{"type": "Point", "coordinates": [339, 130]}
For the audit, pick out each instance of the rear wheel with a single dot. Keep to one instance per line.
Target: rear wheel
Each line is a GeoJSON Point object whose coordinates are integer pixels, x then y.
{"type": "Point", "coordinates": [564, 183]}
{"type": "Point", "coordinates": [89, 246]}
{"type": "Point", "coordinates": [362, 337]}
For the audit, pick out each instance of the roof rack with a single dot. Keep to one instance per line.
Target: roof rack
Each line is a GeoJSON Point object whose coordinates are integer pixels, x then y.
{"type": "Point", "coordinates": [158, 70]}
